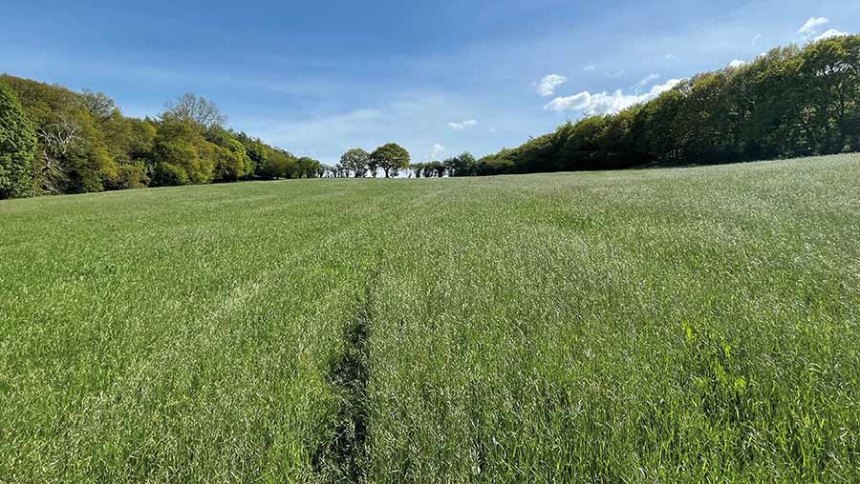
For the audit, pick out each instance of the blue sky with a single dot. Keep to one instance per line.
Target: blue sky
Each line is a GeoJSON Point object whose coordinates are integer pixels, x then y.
{"type": "Point", "coordinates": [438, 77]}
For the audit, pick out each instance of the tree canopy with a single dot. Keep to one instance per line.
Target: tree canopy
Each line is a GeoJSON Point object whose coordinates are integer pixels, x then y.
{"type": "Point", "coordinates": [17, 146]}
{"type": "Point", "coordinates": [356, 161]}
{"type": "Point", "coordinates": [789, 102]}
{"type": "Point", "coordinates": [81, 142]}
{"type": "Point", "coordinates": [390, 157]}
{"type": "Point", "coordinates": [196, 109]}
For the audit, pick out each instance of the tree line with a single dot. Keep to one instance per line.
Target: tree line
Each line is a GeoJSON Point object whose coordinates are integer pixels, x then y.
{"type": "Point", "coordinates": [54, 140]}
{"type": "Point", "coordinates": [789, 102]}
{"type": "Point", "coordinates": [393, 159]}
{"type": "Point", "coordinates": [358, 163]}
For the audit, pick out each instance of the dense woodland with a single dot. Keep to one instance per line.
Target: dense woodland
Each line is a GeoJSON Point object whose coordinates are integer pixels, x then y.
{"type": "Point", "coordinates": [58, 141]}
{"type": "Point", "coordinates": [789, 102]}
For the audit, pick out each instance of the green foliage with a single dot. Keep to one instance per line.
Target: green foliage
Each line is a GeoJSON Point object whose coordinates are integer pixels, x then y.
{"type": "Point", "coordinates": [787, 103]}
{"type": "Point", "coordinates": [73, 155]}
{"type": "Point", "coordinates": [99, 105]}
{"type": "Point", "coordinates": [461, 165]}
{"type": "Point", "coordinates": [17, 146]}
{"type": "Point", "coordinates": [390, 157]}
{"type": "Point", "coordinates": [181, 154]}
{"type": "Point", "coordinates": [432, 169]}
{"type": "Point", "coordinates": [307, 167]}
{"type": "Point", "coordinates": [280, 164]}
{"type": "Point", "coordinates": [167, 174]}
{"type": "Point", "coordinates": [232, 162]}
{"type": "Point", "coordinates": [85, 144]}
{"type": "Point", "coordinates": [131, 175]}
{"type": "Point", "coordinates": [356, 160]}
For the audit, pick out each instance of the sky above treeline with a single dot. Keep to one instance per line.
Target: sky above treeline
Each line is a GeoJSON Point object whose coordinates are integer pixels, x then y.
{"type": "Point", "coordinates": [317, 78]}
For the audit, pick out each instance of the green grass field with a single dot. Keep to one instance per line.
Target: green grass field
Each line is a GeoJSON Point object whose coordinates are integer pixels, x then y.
{"type": "Point", "coordinates": [655, 325]}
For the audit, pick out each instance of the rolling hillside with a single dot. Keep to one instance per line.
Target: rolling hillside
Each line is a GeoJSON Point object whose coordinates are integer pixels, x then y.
{"type": "Point", "coordinates": [642, 325]}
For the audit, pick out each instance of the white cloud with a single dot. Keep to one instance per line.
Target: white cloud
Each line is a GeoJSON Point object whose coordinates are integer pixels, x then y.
{"type": "Point", "coordinates": [755, 40]}
{"type": "Point", "coordinates": [829, 34]}
{"type": "Point", "coordinates": [603, 102]}
{"type": "Point", "coordinates": [811, 26]}
{"type": "Point", "coordinates": [547, 85]}
{"type": "Point", "coordinates": [809, 30]}
{"type": "Point", "coordinates": [460, 126]}
{"type": "Point", "coordinates": [589, 68]}
{"type": "Point", "coordinates": [669, 56]}
{"type": "Point", "coordinates": [647, 79]}
{"type": "Point", "coordinates": [436, 150]}
{"type": "Point", "coordinates": [734, 64]}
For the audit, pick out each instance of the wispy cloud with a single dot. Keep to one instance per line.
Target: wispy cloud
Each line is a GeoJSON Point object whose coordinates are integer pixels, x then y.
{"type": "Point", "coordinates": [461, 125]}
{"type": "Point", "coordinates": [809, 31]}
{"type": "Point", "coordinates": [547, 85]}
{"type": "Point", "coordinates": [436, 150]}
{"type": "Point", "coordinates": [647, 79]}
{"type": "Point", "coordinates": [810, 27]}
{"type": "Point", "coordinates": [755, 40]}
{"type": "Point", "coordinates": [604, 102]}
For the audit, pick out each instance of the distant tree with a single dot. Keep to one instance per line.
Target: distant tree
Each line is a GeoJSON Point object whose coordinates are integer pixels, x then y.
{"type": "Point", "coordinates": [417, 169]}
{"type": "Point", "coordinates": [73, 154]}
{"type": "Point", "coordinates": [85, 144]}
{"type": "Point", "coordinates": [196, 109]}
{"type": "Point", "coordinates": [130, 175]}
{"type": "Point", "coordinates": [257, 152]}
{"type": "Point", "coordinates": [461, 165]}
{"type": "Point", "coordinates": [439, 168]}
{"type": "Point", "coordinates": [356, 161]}
{"type": "Point", "coordinates": [832, 67]}
{"type": "Point", "coordinates": [99, 105]}
{"type": "Point", "coordinates": [341, 171]}
{"type": "Point", "coordinates": [61, 143]}
{"type": "Point", "coordinates": [183, 155]}
{"type": "Point", "coordinates": [788, 102]}
{"type": "Point", "coordinates": [233, 162]}
{"type": "Point", "coordinates": [17, 146]}
{"type": "Point", "coordinates": [308, 167]}
{"type": "Point", "coordinates": [390, 157]}
{"type": "Point", "coordinates": [130, 142]}
{"type": "Point", "coordinates": [279, 164]}
{"type": "Point", "coordinates": [231, 159]}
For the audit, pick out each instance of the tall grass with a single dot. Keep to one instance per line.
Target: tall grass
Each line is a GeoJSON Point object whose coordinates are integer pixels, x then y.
{"type": "Point", "coordinates": [659, 325]}
{"type": "Point", "coordinates": [667, 325]}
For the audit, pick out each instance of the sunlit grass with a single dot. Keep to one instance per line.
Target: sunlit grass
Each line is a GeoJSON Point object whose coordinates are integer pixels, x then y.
{"type": "Point", "coordinates": [668, 325]}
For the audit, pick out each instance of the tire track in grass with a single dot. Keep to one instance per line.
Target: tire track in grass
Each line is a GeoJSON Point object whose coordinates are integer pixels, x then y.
{"type": "Point", "coordinates": [346, 456]}
{"type": "Point", "coordinates": [345, 453]}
